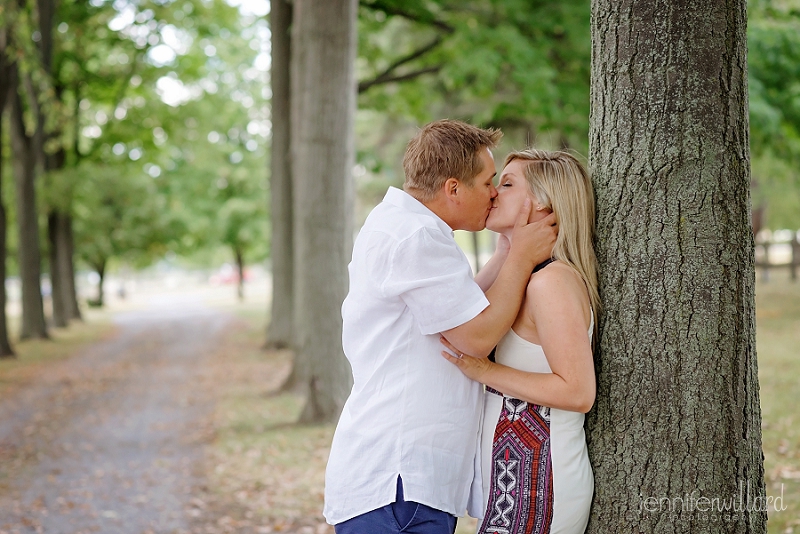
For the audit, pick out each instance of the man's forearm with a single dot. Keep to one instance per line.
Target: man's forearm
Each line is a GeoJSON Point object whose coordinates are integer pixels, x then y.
{"type": "Point", "coordinates": [480, 335]}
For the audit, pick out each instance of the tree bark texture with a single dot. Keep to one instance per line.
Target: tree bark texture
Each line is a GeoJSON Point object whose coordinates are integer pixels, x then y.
{"type": "Point", "coordinates": [5, 345]}
{"type": "Point", "coordinates": [24, 162]}
{"type": "Point", "coordinates": [322, 110]}
{"type": "Point", "coordinates": [279, 333]}
{"type": "Point", "coordinates": [677, 411]}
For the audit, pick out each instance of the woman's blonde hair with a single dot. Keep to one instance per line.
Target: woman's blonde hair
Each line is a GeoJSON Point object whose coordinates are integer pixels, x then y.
{"type": "Point", "coordinates": [562, 185]}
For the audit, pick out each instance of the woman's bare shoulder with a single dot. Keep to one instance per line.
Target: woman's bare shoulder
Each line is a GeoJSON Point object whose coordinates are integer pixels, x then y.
{"type": "Point", "coordinates": [556, 286]}
{"type": "Point", "coordinates": [556, 277]}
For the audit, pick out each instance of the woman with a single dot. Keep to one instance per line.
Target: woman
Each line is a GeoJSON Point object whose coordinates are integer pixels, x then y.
{"type": "Point", "coordinates": [535, 468]}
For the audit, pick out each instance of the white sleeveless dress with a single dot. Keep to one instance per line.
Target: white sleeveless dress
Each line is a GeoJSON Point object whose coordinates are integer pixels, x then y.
{"type": "Point", "coordinates": [536, 475]}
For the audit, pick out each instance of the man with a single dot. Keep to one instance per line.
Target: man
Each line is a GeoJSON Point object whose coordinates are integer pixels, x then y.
{"type": "Point", "coordinates": [404, 453]}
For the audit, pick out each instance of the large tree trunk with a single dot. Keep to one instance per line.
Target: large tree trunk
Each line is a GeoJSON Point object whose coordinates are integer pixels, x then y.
{"type": "Point", "coordinates": [5, 346]}
{"type": "Point", "coordinates": [279, 333]}
{"type": "Point", "coordinates": [24, 162]}
{"type": "Point", "coordinates": [323, 106]}
{"type": "Point", "coordinates": [677, 413]}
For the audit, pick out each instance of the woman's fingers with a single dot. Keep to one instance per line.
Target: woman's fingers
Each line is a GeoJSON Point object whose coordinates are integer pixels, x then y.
{"type": "Point", "coordinates": [449, 345]}
{"type": "Point", "coordinates": [524, 213]}
{"type": "Point", "coordinates": [453, 359]}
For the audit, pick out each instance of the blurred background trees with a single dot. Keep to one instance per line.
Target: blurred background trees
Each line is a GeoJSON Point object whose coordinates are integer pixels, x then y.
{"type": "Point", "coordinates": [133, 130]}
{"type": "Point", "coordinates": [774, 87]}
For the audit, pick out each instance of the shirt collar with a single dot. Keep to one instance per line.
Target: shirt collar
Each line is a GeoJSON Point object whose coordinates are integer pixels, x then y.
{"type": "Point", "coordinates": [401, 199]}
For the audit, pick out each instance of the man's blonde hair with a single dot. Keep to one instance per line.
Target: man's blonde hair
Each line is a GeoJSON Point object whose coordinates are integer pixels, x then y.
{"type": "Point", "coordinates": [445, 149]}
{"type": "Point", "coordinates": [561, 184]}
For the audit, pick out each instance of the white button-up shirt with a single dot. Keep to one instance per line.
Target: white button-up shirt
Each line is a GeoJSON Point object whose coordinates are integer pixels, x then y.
{"type": "Point", "coordinates": [410, 412]}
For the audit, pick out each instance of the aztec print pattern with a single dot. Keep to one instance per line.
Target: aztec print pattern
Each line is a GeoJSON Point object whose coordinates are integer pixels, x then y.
{"type": "Point", "coordinates": [521, 487]}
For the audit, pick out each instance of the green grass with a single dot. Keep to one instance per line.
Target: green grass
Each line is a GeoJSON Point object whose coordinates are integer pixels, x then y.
{"type": "Point", "coordinates": [778, 341]}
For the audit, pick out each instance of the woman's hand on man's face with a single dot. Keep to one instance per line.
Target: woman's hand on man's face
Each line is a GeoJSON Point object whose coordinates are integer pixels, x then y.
{"type": "Point", "coordinates": [472, 367]}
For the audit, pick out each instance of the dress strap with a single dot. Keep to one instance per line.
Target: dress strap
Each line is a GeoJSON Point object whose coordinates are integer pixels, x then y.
{"type": "Point", "coordinates": [542, 265]}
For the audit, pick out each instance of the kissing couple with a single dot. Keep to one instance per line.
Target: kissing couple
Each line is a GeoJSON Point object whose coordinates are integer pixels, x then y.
{"type": "Point", "coordinates": [469, 393]}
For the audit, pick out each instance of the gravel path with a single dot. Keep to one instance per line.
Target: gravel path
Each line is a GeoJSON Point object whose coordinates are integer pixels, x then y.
{"type": "Point", "coordinates": [111, 440]}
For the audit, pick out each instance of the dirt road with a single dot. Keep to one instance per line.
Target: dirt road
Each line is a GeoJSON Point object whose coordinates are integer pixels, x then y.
{"type": "Point", "coordinates": [111, 439]}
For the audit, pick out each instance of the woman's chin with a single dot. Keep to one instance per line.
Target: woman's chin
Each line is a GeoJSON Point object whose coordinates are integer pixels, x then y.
{"type": "Point", "coordinates": [493, 226]}
{"type": "Point", "coordinates": [497, 225]}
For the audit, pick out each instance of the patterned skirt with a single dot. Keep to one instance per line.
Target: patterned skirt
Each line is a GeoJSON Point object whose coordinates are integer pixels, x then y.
{"type": "Point", "coordinates": [520, 496]}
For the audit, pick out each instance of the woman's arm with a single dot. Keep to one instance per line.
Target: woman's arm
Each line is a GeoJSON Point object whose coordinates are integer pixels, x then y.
{"type": "Point", "coordinates": [557, 304]}
{"type": "Point", "coordinates": [488, 274]}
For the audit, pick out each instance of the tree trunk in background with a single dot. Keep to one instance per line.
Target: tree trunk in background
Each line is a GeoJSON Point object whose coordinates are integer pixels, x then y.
{"type": "Point", "coordinates": [323, 107]}
{"type": "Point", "coordinates": [239, 255]}
{"type": "Point", "coordinates": [279, 333]}
{"type": "Point", "coordinates": [5, 345]}
{"type": "Point", "coordinates": [59, 255]}
{"type": "Point", "coordinates": [64, 267]}
{"type": "Point", "coordinates": [24, 161]}
{"type": "Point", "coordinates": [476, 251]}
{"type": "Point", "coordinates": [101, 272]}
{"type": "Point", "coordinates": [73, 310]}
{"type": "Point", "coordinates": [58, 292]}
{"type": "Point", "coordinates": [677, 411]}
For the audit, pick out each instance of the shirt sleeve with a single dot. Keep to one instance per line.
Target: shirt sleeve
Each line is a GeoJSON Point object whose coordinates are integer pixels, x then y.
{"type": "Point", "coordinates": [432, 276]}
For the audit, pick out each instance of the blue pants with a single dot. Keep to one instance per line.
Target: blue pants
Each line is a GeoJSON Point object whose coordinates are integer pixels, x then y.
{"type": "Point", "coordinates": [400, 516]}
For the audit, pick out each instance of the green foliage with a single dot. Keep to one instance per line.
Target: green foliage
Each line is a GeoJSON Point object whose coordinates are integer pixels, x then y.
{"type": "Point", "coordinates": [158, 110]}
{"type": "Point", "coordinates": [774, 87]}
{"type": "Point", "coordinates": [508, 63]}
{"type": "Point", "coordinates": [118, 213]}
{"type": "Point", "coordinates": [514, 64]}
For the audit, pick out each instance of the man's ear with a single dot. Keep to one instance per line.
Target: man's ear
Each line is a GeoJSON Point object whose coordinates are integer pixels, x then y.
{"type": "Point", "coordinates": [451, 187]}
